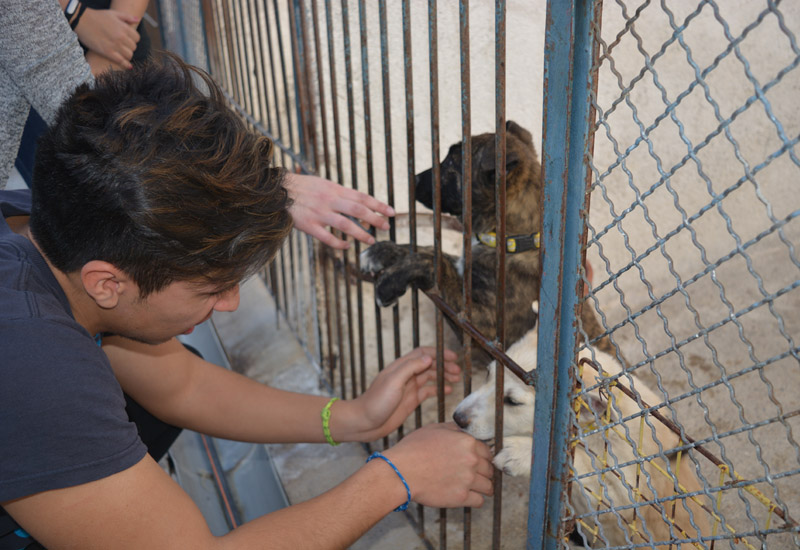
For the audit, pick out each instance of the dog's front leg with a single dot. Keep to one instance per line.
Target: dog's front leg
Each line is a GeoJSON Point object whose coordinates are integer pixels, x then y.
{"type": "Point", "coordinates": [516, 456]}
{"type": "Point", "coordinates": [413, 270]}
{"type": "Point", "coordinates": [397, 269]}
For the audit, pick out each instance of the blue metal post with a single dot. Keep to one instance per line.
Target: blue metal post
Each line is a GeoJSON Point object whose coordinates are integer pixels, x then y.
{"type": "Point", "coordinates": [568, 84]}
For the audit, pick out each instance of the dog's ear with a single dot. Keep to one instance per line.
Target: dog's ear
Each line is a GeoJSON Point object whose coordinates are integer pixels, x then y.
{"type": "Point", "coordinates": [523, 134]}
{"type": "Point", "coordinates": [487, 159]}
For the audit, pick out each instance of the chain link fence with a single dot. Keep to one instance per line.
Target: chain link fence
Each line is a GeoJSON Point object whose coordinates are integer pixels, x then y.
{"type": "Point", "coordinates": [683, 435]}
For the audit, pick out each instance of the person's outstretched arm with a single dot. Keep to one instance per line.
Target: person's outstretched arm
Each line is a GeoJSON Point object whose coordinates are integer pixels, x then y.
{"type": "Point", "coordinates": [142, 507]}
{"type": "Point", "coordinates": [184, 390]}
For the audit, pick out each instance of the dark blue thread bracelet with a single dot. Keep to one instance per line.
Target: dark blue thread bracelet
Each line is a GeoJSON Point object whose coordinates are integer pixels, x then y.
{"type": "Point", "coordinates": [402, 507]}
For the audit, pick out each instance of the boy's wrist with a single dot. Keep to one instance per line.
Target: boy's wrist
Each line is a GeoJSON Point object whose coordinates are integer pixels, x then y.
{"type": "Point", "coordinates": [388, 483]}
{"type": "Point", "coordinates": [347, 422]}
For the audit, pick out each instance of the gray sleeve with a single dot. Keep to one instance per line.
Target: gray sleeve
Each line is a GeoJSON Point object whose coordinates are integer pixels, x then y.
{"type": "Point", "coordinates": [41, 63]}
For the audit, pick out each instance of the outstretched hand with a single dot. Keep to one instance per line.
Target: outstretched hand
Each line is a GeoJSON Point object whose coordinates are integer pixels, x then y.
{"type": "Point", "coordinates": [398, 390]}
{"type": "Point", "coordinates": [320, 203]}
{"type": "Point", "coordinates": [110, 33]}
{"type": "Point", "coordinates": [444, 467]}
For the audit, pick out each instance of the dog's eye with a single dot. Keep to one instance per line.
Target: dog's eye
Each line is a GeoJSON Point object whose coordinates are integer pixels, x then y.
{"type": "Point", "coordinates": [508, 400]}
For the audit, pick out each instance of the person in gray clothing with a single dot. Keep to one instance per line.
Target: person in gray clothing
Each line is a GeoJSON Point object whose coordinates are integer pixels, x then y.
{"type": "Point", "coordinates": [41, 63]}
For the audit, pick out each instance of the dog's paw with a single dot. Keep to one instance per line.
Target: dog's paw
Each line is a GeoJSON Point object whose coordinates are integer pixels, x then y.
{"type": "Point", "coordinates": [391, 284]}
{"type": "Point", "coordinates": [381, 255]}
{"type": "Point", "coordinates": [515, 457]}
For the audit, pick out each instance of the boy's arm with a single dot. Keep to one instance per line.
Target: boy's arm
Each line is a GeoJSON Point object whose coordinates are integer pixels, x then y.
{"type": "Point", "coordinates": [184, 390]}
{"type": "Point", "coordinates": [142, 507]}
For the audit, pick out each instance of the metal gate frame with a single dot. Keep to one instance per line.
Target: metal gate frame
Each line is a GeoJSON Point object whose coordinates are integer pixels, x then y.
{"type": "Point", "coordinates": [566, 142]}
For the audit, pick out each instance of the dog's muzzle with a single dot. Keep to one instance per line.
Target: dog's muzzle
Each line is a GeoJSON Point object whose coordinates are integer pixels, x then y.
{"type": "Point", "coordinates": [451, 192]}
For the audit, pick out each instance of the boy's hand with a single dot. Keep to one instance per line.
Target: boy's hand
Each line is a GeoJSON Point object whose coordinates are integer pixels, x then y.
{"type": "Point", "coordinates": [396, 392]}
{"type": "Point", "coordinates": [444, 467]}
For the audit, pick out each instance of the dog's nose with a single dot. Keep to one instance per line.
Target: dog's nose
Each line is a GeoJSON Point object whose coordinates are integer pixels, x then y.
{"type": "Point", "coordinates": [461, 419]}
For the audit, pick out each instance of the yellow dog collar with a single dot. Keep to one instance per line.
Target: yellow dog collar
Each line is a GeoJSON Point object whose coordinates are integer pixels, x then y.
{"type": "Point", "coordinates": [514, 243]}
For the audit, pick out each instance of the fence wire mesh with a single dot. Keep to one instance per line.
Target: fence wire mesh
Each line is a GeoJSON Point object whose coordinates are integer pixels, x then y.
{"type": "Point", "coordinates": [685, 434]}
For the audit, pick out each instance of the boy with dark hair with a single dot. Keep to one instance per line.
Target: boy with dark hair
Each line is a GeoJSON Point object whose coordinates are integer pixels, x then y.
{"type": "Point", "coordinates": [151, 202]}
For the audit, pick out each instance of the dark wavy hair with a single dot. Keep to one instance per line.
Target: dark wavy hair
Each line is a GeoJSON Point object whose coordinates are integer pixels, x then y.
{"type": "Point", "coordinates": [151, 171]}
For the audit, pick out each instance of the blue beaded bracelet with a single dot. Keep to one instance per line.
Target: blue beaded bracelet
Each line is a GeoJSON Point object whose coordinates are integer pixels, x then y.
{"type": "Point", "coordinates": [402, 507]}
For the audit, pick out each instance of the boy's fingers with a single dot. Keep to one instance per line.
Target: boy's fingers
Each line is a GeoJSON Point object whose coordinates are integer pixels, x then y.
{"type": "Point", "coordinates": [474, 500]}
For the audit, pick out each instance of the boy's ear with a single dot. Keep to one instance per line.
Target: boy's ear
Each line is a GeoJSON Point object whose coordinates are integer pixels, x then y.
{"type": "Point", "coordinates": [104, 283]}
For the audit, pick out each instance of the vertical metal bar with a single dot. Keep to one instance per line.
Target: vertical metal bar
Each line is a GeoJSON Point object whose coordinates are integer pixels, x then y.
{"type": "Point", "coordinates": [282, 57]}
{"type": "Point", "coordinates": [433, 45]}
{"type": "Point", "coordinates": [466, 216]}
{"type": "Point", "coordinates": [323, 257]}
{"type": "Point", "coordinates": [387, 130]}
{"type": "Point", "coordinates": [239, 62]}
{"type": "Point", "coordinates": [273, 77]}
{"type": "Point", "coordinates": [218, 22]}
{"type": "Point", "coordinates": [263, 89]}
{"type": "Point", "coordinates": [230, 49]}
{"type": "Point", "coordinates": [301, 140]}
{"type": "Point", "coordinates": [325, 263]}
{"type": "Point", "coordinates": [300, 74]}
{"type": "Point", "coordinates": [288, 108]}
{"type": "Point", "coordinates": [362, 24]}
{"type": "Point", "coordinates": [568, 82]}
{"type": "Point", "coordinates": [412, 210]}
{"type": "Point", "coordinates": [279, 125]}
{"type": "Point", "coordinates": [181, 19]}
{"type": "Point", "coordinates": [301, 65]}
{"type": "Point", "coordinates": [244, 74]}
{"type": "Point", "coordinates": [326, 155]}
{"type": "Point", "coordinates": [354, 184]}
{"type": "Point", "coordinates": [258, 63]}
{"type": "Point", "coordinates": [338, 152]}
{"type": "Point", "coordinates": [202, 13]}
{"type": "Point", "coordinates": [349, 87]}
{"type": "Point", "coordinates": [211, 37]}
{"type": "Point", "coordinates": [310, 119]}
{"type": "Point", "coordinates": [500, 222]}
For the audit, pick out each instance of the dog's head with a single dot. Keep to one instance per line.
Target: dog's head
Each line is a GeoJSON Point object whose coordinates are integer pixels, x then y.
{"type": "Point", "coordinates": [475, 414]}
{"type": "Point", "coordinates": [523, 181]}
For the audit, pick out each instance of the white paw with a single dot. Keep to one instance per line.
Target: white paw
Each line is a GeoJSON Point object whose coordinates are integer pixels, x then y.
{"type": "Point", "coordinates": [369, 264]}
{"type": "Point", "coordinates": [515, 457]}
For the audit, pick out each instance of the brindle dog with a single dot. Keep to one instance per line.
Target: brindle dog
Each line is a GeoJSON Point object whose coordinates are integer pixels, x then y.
{"type": "Point", "coordinates": [396, 267]}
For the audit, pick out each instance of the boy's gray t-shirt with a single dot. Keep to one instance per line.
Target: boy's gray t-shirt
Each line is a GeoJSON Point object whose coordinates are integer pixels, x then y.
{"type": "Point", "coordinates": [62, 412]}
